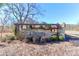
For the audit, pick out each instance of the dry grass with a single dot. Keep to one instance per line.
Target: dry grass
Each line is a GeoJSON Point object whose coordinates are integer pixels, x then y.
{"type": "Point", "coordinates": [18, 48]}
{"type": "Point", "coordinates": [4, 34]}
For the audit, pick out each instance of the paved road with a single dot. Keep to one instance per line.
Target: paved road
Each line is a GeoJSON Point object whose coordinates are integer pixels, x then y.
{"type": "Point", "coordinates": [72, 39]}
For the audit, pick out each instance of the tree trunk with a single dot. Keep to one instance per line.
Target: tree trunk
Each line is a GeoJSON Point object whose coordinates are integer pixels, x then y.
{"type": "Point", "coordinates": [2, 29]}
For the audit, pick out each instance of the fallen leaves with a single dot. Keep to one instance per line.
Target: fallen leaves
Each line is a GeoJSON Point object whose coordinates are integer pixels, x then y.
{"type": "Point", "coordinates": [18, 48]}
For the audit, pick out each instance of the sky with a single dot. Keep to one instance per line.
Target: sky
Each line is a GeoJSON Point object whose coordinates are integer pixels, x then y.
{"type": "Point", "coordinates": [60, 13]}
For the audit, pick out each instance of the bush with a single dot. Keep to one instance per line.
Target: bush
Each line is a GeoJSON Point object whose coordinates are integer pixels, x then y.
{"type": "Point", "coordinates": [20, 36]}
{"type": "Point", "coordinates": [3, 39]}
{"type": "Point", "coordinates": [10, 37]}
{"type": "Point", "coordinates": [53, 38]}
{"type": "Point", "coordinates": [23, 37]}
{"type": "Point", "coordinates": [61, 38]}
{"type": "Point", "coordinates": [14, 30]}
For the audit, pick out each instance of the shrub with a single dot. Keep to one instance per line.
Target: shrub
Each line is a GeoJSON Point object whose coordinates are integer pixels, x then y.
{"type": "Point", "coordinates": [53, 38]}
{"type": "Point", "coordinates": [3, 39]}
{"type": "Point", "coordinates": [14, 30]}
{"type": "Point", "coordinates": [61, 38]}
{"type": "Point", "coordinates": [20, 36]}
{"type": "Point", "coordinates": [10, 37]}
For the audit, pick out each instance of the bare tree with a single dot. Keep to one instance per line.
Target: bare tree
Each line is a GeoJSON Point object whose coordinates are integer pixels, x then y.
{"type": "Point", "coordinates": [4, 20]}
{"type": "Point", "coordinates": [22, 12]}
